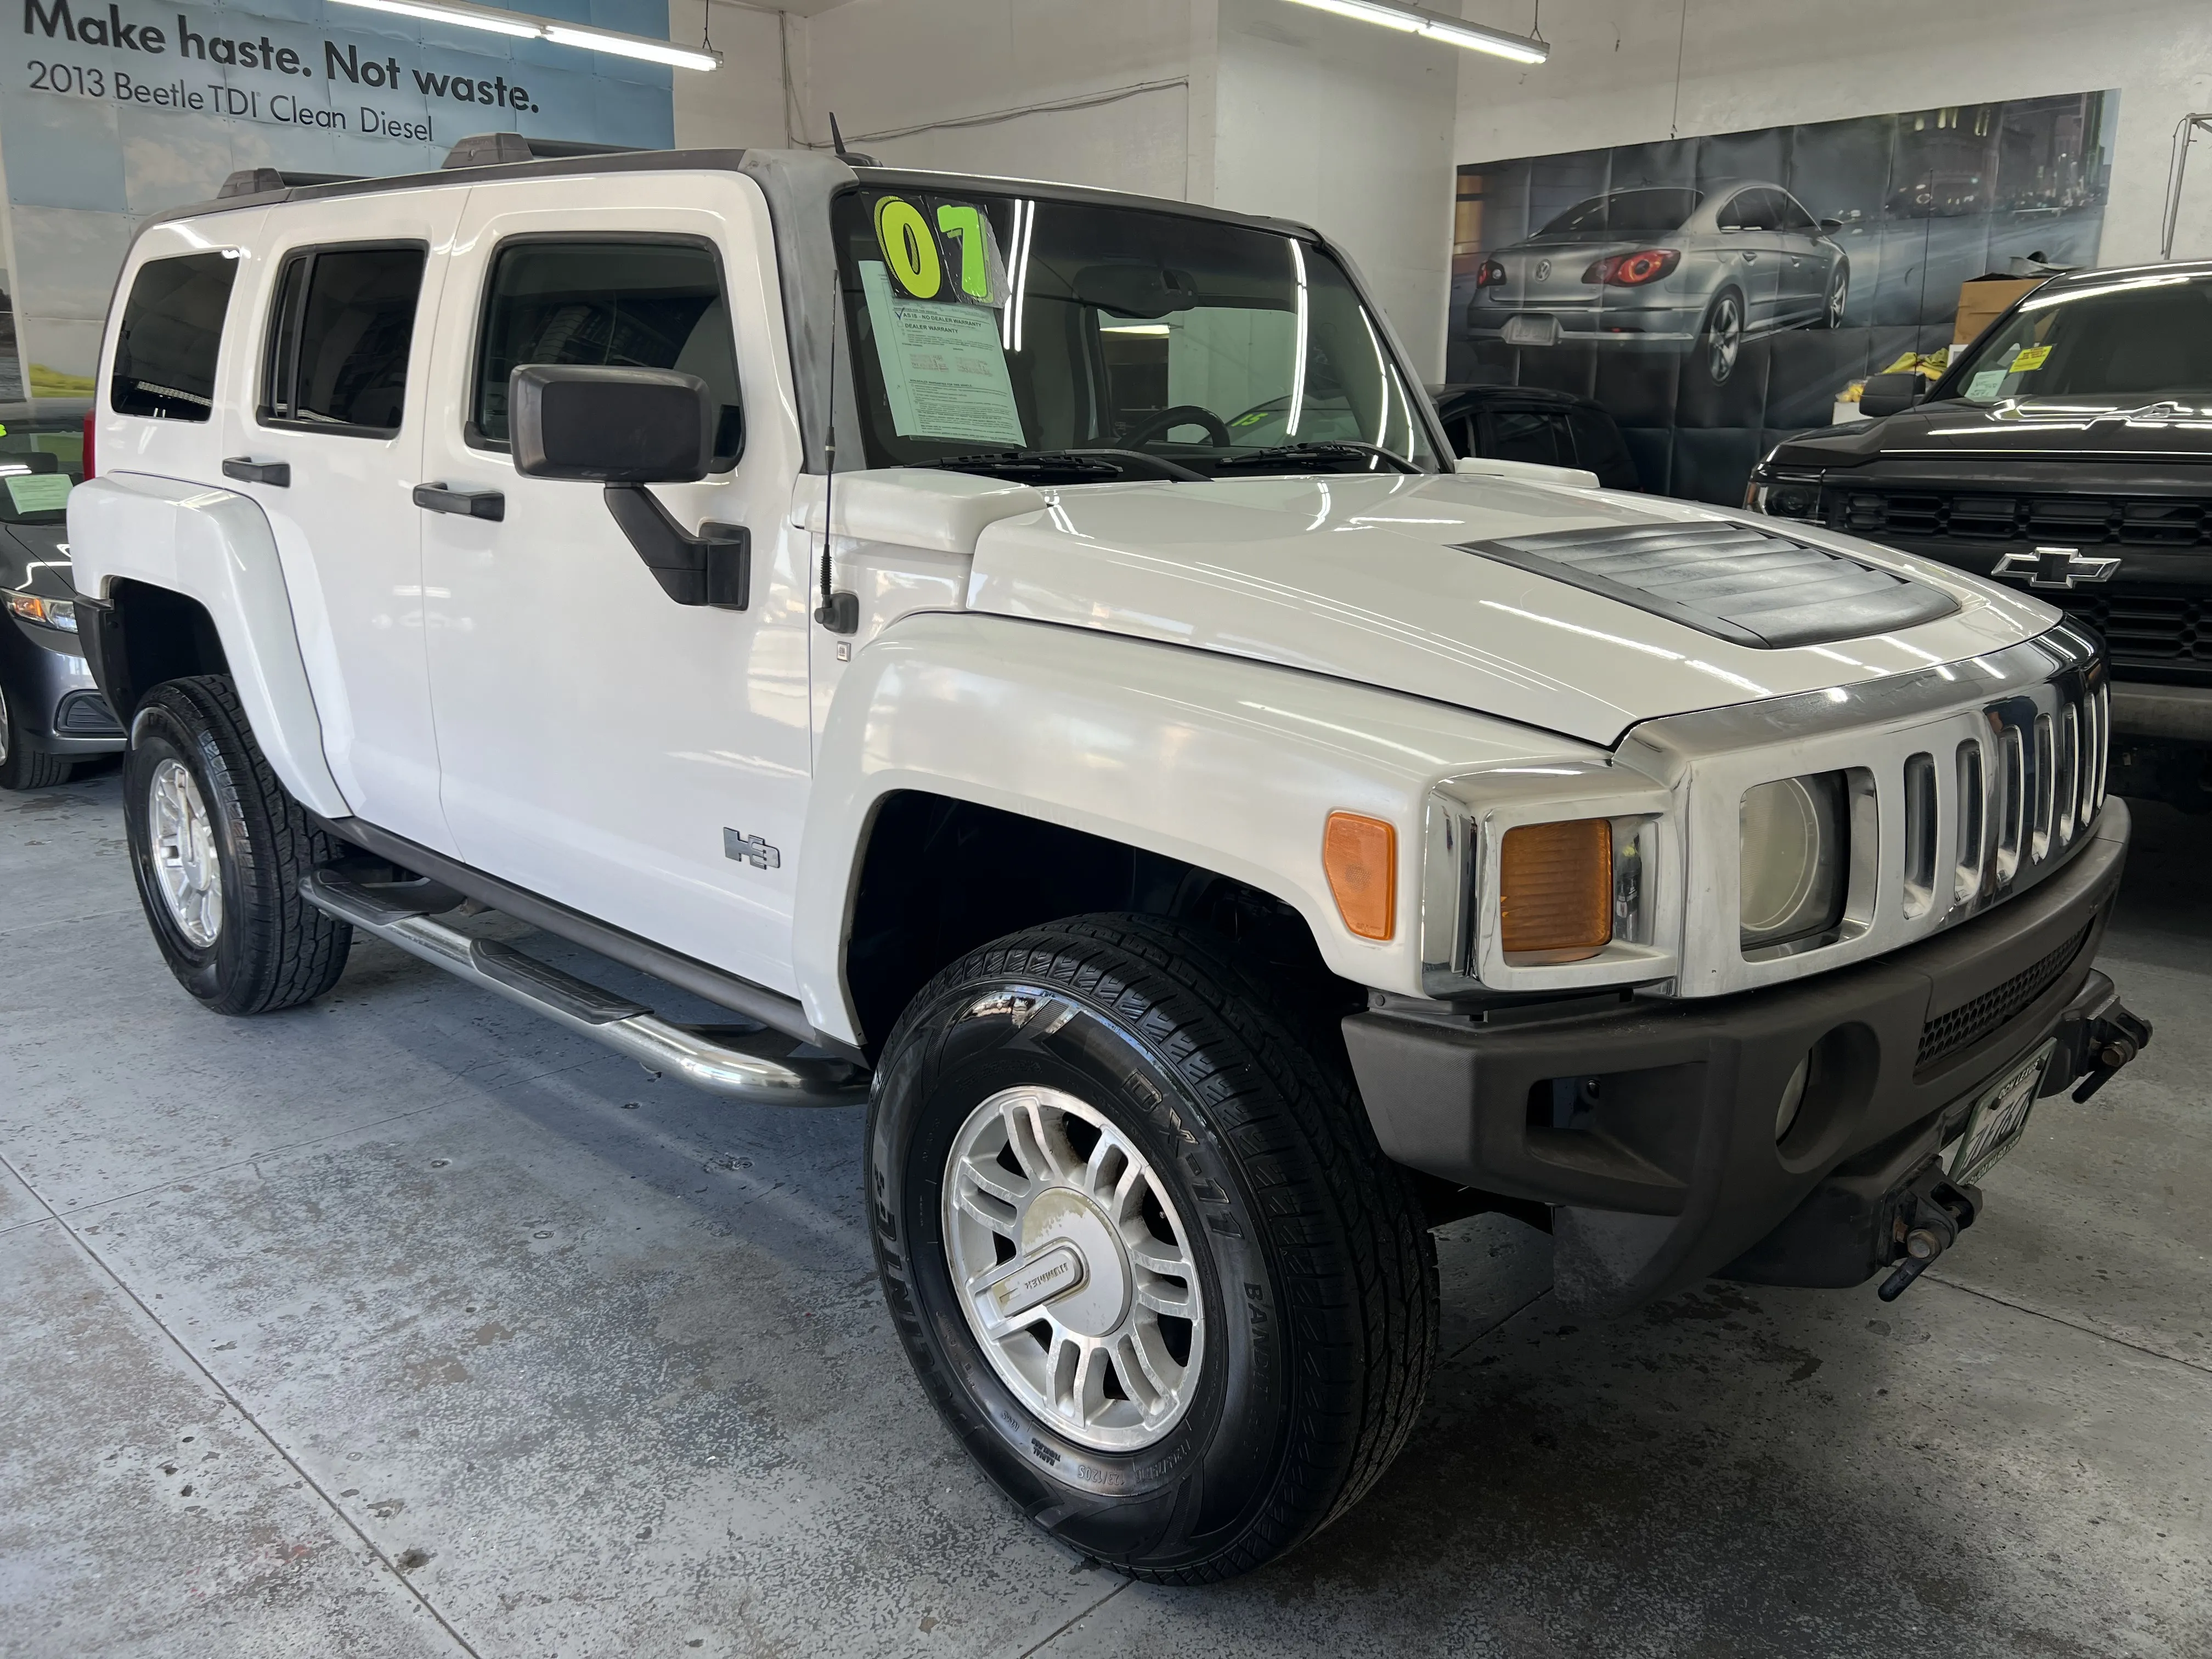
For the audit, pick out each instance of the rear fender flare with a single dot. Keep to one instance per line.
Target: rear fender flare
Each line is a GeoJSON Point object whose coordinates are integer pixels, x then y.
{"type": "Point", "coordinates": [215, 547]}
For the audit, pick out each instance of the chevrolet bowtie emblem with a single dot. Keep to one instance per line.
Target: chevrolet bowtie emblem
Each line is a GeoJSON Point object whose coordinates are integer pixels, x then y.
{"type": "Point", "coordinates": [2055, 567]}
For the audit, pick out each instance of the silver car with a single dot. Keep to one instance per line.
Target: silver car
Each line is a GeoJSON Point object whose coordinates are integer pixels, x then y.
{"type": "Point", "coordinates": [1667, 268]}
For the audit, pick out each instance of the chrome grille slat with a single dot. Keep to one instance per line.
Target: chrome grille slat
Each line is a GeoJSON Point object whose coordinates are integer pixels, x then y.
{"type": "Point", "coordinates": [1986, 775]}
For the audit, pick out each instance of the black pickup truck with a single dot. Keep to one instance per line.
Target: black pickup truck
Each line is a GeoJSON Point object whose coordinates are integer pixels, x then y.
{"type": "Point", "coordinates": [2069, 450]}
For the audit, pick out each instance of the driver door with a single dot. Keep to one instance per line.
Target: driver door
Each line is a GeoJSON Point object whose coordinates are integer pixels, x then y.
{"type": "Point", "coordinates": [642, 761]}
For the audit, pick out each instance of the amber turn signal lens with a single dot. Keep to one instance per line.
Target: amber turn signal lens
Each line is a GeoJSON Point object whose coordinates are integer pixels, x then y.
{"type": "Point", "coordinates": [1361, 856]}
{"type": "Point", "coordinates": [1555, 888]}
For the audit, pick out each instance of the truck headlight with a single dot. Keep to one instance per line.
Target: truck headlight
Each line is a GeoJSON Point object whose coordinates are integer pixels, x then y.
{"type": "Point", "coordinates": [1784, 495]}
{"type": "Point", "coordinates": [1795, 860]}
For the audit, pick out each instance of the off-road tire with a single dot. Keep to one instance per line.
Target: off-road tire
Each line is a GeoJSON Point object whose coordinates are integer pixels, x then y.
{"type": "Point", "coordinates": [272, 950]}
{"type": "Point", "coordinates": [22, 767]}
{"type": "Point", "coordinates": [1317, 1270]}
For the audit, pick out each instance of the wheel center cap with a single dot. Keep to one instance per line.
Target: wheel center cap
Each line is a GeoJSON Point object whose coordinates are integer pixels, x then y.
{"type": "Point", "coordinates": [1061, 1220]}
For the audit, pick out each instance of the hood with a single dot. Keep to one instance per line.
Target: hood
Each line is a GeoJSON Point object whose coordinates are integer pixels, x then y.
{"type": "Point", "coordinates": [1358, 577]}
{"type": "Point", "coordinates": [34, 556]}
{"type": "Point", "coordinates": [2040, 428]}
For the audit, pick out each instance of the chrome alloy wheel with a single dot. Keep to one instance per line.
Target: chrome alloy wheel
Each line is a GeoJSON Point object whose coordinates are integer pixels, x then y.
{"type": "Point", "coordinates": [1723, 338]}
{"type": "Point", "coordinates": [1073, 1267]}
{"type": "Point", "coordinates": [186, 865]}
{"type": "Point", "coordinates": [4, 725]}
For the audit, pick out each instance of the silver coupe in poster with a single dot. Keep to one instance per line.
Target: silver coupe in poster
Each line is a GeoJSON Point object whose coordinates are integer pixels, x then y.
{"type": "Point", "coordinates": [1667, 269]}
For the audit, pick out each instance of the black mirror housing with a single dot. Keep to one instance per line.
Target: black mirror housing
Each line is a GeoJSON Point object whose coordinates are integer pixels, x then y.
{"type": "Point", "coordinates": [1891, 394]}
{"type": "Point", "coordinates": [610, 426]}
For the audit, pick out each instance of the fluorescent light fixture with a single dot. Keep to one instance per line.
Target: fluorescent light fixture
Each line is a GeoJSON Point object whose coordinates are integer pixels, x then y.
{"type": "Point", "coordinates": [1160, 329]}
{"type": "Point", "coordinates": [520, 27]}
{"type": "Point", "coordinates": [629, 45]}
{"type": "Point", "coordinates": [1435, 26]}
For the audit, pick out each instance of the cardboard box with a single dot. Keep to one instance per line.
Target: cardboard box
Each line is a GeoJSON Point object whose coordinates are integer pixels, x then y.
{"type": "Point", "coordinates": [1983, 298]}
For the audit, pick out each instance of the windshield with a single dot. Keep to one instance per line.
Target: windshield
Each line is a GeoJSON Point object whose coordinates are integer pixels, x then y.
{"type": "Point", "coordinates": [2136, 339]}
{"type": "Point", "coordinates": [1626, 213]}
{"type": "Point", "coordinates": [984, 324]}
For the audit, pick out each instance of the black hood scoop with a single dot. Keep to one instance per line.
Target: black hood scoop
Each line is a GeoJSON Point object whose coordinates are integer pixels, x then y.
{"type": "Point", "coordinates": [1737, 582]}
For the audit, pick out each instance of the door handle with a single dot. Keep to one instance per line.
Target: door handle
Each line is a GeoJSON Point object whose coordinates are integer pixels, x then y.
{"type": "Point", "coordinates": [468, 503]}
{"type": "Point", "coordinates": [246, 470]}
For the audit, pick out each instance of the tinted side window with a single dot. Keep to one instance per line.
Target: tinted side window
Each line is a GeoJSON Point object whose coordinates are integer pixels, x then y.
{"type": "Point", "coordinates": [1794, 217]}
{"type": "Point", "coordinates": [344, 323]}
{"type": "Point", "coordinates": [634, 305]}
{"type": "Point", "coordinates": [1598, 449]}
{"type": "Point", "coordinates": [1519, 434]}
{"type": "Point", "coordinates": [165, 352]}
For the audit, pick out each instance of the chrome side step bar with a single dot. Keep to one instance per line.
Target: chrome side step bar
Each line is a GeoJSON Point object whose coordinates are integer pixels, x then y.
{"type": "Point", "coordinates": [765, 1068]}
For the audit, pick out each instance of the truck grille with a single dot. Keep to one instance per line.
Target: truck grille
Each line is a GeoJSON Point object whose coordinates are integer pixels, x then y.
{"type": "Point", "coordinates": [1963, 1027]}
{"type": "Point", "coordinates": [1935, 515]}
{"type": "Point", "coordinates": [2143, 628]}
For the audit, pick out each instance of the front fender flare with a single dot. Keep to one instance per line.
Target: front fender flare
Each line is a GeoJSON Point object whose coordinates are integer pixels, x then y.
{"type": "Point", "coordinates": [1220, 762]}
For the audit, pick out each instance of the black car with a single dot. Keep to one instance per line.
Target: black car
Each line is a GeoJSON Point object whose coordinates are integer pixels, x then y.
{"type": "Point", "coordinates": [1528, 423]}
{"type": "Point", "coordinates": [51, 716]}
{"type": "Point", "coordinates": [2068, 450]}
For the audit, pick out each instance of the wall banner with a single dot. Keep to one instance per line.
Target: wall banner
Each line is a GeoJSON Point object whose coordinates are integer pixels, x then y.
{"type": "Point", "coordinates": [112, 109]}
{"type": "Point", "coordinates": [1717, 294]}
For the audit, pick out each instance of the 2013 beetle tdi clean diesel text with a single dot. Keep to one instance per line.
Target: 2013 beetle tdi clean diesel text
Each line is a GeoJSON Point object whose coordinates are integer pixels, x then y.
{"type": "Point", "coordinates": [1219, 838]}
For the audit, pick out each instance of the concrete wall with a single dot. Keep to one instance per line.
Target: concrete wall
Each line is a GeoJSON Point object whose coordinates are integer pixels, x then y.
{"type": "Point", "coordinates": [1750, 64]}
{"type": "Point", "coordinates": [1349, 128]}
{"type": "Point", "coordinates": [740, 105]}
{"type": "Point", "coordinates": [1121, 72]}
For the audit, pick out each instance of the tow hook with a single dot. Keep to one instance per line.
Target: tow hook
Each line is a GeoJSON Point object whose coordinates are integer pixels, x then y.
{"type": "Point", "coordinates": [2116, 1038]}
{"type": "Point", "coordinates": [1930, 1216]}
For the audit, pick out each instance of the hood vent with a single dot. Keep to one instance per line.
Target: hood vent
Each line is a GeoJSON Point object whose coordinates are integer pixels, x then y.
{"type": "Point", "coordinates": [1733, 581]}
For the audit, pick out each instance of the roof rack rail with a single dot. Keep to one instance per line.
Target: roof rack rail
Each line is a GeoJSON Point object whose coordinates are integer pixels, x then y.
{"type": "Point", "coordinates": [491, 150]}
{"type": "Point", "coordinates": [252, 181]}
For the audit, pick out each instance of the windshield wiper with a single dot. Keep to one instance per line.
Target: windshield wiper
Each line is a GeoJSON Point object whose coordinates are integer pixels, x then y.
{"type": "Point", "coordinates": [1067, 466]}
{"type": "Point", "coordinates": [1320, 449]}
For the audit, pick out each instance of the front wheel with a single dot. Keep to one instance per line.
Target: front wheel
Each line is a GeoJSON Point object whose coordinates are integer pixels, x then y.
{"type": "Point", "coordinates": [1838, 297]}
{"type": "Point", "coordinates": [1142, 1248]}
{"type": "Point", "coordinates": [219, 848]}
{"type": "Point", "coordinates": [22, 767]}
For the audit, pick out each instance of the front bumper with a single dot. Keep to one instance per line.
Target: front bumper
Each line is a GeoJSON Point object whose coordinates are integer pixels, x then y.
{"type": "Point", "coordinates": [58, 708]}
{"type": "Point", "coordinates": [1651, 1128]}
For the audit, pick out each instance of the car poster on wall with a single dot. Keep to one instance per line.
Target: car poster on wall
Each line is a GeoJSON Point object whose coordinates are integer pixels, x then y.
{"type": "Point", "coordinates": [1716, 293]}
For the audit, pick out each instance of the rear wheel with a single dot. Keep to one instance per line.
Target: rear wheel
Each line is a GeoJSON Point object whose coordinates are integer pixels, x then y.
{"type": "Point", "coordinates": [1721, 340]}
{"type": "Point", "coordinates": [218, 849]}
{"type": "Point", "coordinates": [1142, 1248]}
{"type": "Point", "coordinates": [22, 767]}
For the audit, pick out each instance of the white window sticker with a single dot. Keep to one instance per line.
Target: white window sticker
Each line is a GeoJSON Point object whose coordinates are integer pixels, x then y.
{"type": "Point", "coordinates": [38, 492]}
{"type": "Point", "coordinates": [944, 372]}
{"type": "Point", "coordinates": [1987, 384]}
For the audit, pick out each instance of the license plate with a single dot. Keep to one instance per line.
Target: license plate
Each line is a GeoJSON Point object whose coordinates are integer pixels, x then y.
{"type": "Point", "coordinates": [1532, 330]}
{"type": "Point", "coordinates": [1998, 1119]}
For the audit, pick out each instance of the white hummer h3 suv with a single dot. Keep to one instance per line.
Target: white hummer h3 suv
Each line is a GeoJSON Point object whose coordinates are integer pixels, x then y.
{"type": "Point", "coordinates": [1023, 651]}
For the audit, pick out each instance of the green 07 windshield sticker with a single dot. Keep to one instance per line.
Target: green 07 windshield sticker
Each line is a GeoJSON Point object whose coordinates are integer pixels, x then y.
{"type": "Point", "coordinates": [916, 251]}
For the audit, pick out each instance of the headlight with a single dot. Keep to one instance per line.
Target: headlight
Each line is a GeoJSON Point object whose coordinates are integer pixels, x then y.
{"type": "Point", "coordinates": [1784, 495]}
{"type": "Point", "coordinates": [1795, 859]}
{"type": "Point", "coordinates": [44, 613]}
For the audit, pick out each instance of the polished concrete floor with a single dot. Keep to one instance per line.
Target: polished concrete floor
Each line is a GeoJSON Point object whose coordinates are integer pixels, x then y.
{"type": "Point", "coordinates": [407, 1324]}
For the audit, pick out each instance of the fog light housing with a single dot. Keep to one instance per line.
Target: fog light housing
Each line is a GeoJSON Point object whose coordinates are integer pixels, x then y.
{"type": "Point", "coordinates": [1794, 860]}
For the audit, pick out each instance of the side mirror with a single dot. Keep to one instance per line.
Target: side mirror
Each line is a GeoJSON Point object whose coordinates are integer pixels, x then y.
{"type": "Point", "coordinates": [1891, 394]}
{"type": "Point", "coordinates": [1830, 227]}
{"type": "Point", "coordinates": [626, 429]}
{"type": "Point", "coordinates": [610, 426]}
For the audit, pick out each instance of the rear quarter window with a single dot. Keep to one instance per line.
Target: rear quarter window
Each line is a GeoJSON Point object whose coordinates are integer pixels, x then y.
{"type": "Point", "coordinates": [171, 336]}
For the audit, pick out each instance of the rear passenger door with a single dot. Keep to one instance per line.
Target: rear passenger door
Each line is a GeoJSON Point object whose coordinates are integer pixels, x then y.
{"type": "Point", "coordinates": [329, 442]}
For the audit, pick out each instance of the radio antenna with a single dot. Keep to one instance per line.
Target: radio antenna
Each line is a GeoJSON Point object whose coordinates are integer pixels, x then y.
{"type": "Point", "coordinates": [838, 612]}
